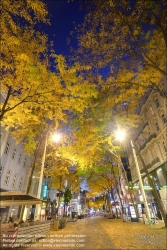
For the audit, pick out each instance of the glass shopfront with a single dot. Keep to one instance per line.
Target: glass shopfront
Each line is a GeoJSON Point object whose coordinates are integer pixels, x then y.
{"type": "Point", "coordinates": [159, 176]}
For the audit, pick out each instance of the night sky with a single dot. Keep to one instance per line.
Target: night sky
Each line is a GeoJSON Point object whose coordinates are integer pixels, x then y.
{"type": "Point", "coordinates": [62, 18]}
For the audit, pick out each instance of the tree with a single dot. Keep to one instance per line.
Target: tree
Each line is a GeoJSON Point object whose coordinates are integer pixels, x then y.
{"type": "Point", "coordinates": [22, 47]}
{"type": "Point", "coordinates": [67, 94]}
{"type": "Point", "coordinates": [67, 196]}
{"type": "Point", "coordinates": [59, 169]}
{"type": "Point", "coordinates": [128, 40]}
{"type": "Point", "coordinates": [99, 202]}
{"type": "Point", "coordinates": [32, 93]}
{"type": "Point", "coordinates": [102, 179]}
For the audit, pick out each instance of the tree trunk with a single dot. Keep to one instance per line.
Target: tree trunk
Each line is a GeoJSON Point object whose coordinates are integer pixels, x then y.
{"type": "Point", "coordinates": [3, 109]}
{"type": "Point", "coordinates": [116, 186]}
{"type": "Point", "coordinates": [108, 202]}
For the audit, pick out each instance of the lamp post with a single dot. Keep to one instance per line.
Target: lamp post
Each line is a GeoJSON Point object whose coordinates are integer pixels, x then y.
{"type": "Point", "coordinates": [121, 135]}
{"type": "Point", "coordinates": [42, 168]}
{"type": "Point", "coordinates": [55, 138]}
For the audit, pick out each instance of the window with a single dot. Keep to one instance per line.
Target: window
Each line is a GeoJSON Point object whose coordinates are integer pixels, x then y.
{"type": "Point", "coordinates": [157, 126]}
{"type": "Point", "coordinates": [1, 169]}
{"type": "Point", "coordinates": [14, 154]}
{"type": "Point", "coordinates": [161, 177]}
{"type": "Point", "coordinates": [7, 148]}
{"type": "Point", "coordinates": [14, 180]}
{"type": "Point", "coordinates": [7, 177]}
{"type": "Point", "coordinates": [35, 190]}
{"type": "Point", "coordinates": [24, 163]}
{"type": "Point", "coordinates": [20, 182]}
{"type": "Point", "coordinates": [164, 145]}
{"type": "Point", "coordinates": [157, 103]}
{"type": "Point", "coordinates": [151, 110]}
{"type": "Point", "coordinates": [164, 118]}
{"type": "Point", "coordinates": [19, 160]}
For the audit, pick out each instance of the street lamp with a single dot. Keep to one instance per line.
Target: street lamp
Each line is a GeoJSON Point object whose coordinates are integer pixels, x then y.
{"type": "Point", "coordinates": [56, 138]}
{"type": "Point", "coordinates": [120, 134]}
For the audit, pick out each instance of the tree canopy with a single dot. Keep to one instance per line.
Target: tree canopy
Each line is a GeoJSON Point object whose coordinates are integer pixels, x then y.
{"type": "Point", "coordinates": [127, 39]}
{"type": "Point", "coordinates": [122, 52]}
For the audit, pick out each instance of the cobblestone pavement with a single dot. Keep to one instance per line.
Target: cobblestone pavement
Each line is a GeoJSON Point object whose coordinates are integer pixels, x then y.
{"type": "Point", "coordinates": [105, 234]}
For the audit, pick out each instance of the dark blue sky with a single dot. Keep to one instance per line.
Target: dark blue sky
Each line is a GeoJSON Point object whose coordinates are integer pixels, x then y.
{"type": "Point", "coordinates": [62, 18]}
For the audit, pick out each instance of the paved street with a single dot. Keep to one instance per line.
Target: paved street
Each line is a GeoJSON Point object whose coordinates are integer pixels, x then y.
{"type": "Point", "coordinates": [102, 233]}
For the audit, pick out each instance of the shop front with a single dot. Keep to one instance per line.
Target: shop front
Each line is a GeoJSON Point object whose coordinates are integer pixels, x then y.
{"type": "Point", "coordinates": [12, 201]}
{"type": "Point", "coordinates": [163, 195]}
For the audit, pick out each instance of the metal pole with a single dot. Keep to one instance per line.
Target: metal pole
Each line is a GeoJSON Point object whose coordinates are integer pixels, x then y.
{"type": "Point", "coordinates": [42, 169]}
{"type": "Point", "coordinates": [38, 206]}
{"type": "Point", "coordinates": [10, 209]}
{"type": "Point", "coordinates": [140, 182]}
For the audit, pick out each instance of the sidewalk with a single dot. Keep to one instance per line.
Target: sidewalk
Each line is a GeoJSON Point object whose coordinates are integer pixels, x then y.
{"type": "Point", "coordinates": [104, 234]}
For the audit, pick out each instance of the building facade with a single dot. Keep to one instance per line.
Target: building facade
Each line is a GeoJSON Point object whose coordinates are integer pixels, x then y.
{"type": "Point", "coordinates": [15, 168]}
{"type": "Point", "coordinates": [151, 142]}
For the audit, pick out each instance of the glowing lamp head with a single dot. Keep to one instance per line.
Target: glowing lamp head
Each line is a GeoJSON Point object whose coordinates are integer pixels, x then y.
{"type": "Point", "coordinates": [57, 137]}
{"type": "Point", "coordinates": [120, 135]}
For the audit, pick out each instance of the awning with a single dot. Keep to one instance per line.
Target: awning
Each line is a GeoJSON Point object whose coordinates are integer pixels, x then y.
{"type": "Point", "coordinates": [16, 198]}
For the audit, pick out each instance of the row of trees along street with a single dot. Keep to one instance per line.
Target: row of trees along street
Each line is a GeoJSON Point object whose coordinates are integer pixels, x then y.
{"type": "Point", "coordinates": [126, 40]}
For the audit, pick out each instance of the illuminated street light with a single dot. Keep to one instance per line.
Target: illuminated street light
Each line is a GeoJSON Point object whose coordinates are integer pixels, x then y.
{"type": "Point", "coordinates": [120, 136]}
{"type": "Point", "coordinates": [56, 138]}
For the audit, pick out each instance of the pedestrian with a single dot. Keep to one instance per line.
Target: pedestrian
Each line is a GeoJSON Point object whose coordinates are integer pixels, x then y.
{"type": "Point", "coordinates": [114, 216]}
{"type": "Point", "coordinates": [10, 220]}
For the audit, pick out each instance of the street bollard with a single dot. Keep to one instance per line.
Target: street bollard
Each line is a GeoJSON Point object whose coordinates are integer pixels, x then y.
{"type": "Point", "coordinates": [56, 225]}
{"type": "Point", "coordinates": [124, 217]}
{"type": "Point", "coordinates": [145, 221]}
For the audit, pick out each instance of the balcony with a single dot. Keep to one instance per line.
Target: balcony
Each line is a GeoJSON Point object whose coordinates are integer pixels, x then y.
{"type": "Point", "coordinates": [141, 131]}
{"type": "Point", "coordinates": [150, 138]}
{"type": "Point", "coordinates": [156, 160]}
{"type": "Point", "coordinates": [145, 125]}
{"type": "Point", "coordinates": [147, 140]}
{"type": "Point", "coordinates": [143, 146]}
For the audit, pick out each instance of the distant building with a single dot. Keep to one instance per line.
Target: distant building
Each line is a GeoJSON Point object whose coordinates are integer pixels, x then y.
{"type": "Point", "coordinates": [80, 198]}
